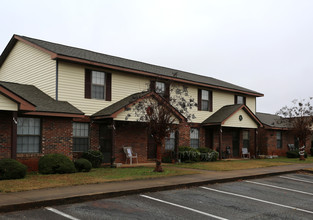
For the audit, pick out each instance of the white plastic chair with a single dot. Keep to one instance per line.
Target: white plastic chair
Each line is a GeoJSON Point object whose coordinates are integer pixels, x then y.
{"type": "Point", "coordinates": [130, 155]}
{"type": "Point", "coordinates": [245, 153]}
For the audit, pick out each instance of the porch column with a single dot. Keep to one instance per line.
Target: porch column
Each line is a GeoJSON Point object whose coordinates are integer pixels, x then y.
{"type": "Point", "coordinates": [113, 142]}
{"type": "Point", "coordinates": [256, 142]}
{"type": "Point", "coordinates": [220, 142]}
{"type": "Point", "coordinates": [13, 135]}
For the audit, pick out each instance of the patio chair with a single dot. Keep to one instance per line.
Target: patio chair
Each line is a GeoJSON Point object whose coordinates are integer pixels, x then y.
{"type": "Point", "coordinates": [245, 154]}
{"type": "Point", "coordinates": [130, 155]}
{"type": "Point", "coordinates": [291, 147]}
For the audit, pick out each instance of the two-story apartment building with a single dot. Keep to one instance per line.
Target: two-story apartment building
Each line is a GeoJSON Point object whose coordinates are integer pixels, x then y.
{"type": "Point", "coordinates": [57, 98]}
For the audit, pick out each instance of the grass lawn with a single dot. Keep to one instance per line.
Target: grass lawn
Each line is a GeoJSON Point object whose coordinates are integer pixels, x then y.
{"type": "Point", "coordinates": [38, 181]}
{"type": "Point", "coordinates": [227, 165]}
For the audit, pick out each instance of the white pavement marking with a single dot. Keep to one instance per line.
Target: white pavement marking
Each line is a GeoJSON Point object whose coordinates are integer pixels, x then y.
{"type": "Point", "coordinates": [296, 179]}
{"type": "Point", "coordinates": [259, 200]}
{"type": "Point", "coordinates": [278, 187]}
{"type": "Point", "coordinates": [184, 207]}
{"type": "Point", "coordinates": [61, 213]}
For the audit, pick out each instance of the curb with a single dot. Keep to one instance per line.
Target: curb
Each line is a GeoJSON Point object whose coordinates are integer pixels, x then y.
{"type": "Point", "coordinates": [96, 196]}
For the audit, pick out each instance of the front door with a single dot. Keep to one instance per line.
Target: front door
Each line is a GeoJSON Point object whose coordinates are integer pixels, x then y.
{"type": "Point", "coordinates": [106, 142]}
{"type": "Point", "coordinates": [246, 139]}
{"type": "Point", "coordinates": [235, 143]}
{"type": "Point", "coordinates": [151, 147]}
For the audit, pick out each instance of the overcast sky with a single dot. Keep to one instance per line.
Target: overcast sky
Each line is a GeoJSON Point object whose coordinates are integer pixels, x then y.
{"type": "Point", "coordinates": [264, 45]}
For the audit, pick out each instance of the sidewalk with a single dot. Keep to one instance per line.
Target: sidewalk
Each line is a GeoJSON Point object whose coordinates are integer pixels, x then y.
{"type": "Point", "coordinates": [64, 195]}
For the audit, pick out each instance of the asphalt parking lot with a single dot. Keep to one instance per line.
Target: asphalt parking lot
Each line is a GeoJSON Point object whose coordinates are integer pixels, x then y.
{"type": "Point", "coordinates": [279, 197]}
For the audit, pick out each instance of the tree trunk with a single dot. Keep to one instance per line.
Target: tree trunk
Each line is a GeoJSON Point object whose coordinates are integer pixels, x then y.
{"type": "Point", "coordinates": [158, 163]}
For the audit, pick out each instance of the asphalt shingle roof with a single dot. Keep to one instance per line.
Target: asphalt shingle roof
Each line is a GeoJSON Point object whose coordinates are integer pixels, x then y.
{"type": "Point", "coordinates": [220, 115]}
{"type": "Point", "coordinates": [108, 111]}
{"type": "Point", "coordinates": [41, 100]}
{"type": "Point", "coordinates": [131, 64]}
{"type": "Point", "coordinates": [273, 120]}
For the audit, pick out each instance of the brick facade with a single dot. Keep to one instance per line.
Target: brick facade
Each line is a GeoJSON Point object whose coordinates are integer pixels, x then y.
{"type": "Point", "coordinates": [5, 134]}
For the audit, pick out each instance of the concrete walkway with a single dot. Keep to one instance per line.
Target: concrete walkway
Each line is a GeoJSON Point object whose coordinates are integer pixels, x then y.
{"type": "Point", "coordinates": [64, 195]}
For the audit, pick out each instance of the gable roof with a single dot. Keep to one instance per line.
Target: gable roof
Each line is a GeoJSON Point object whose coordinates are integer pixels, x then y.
{"type": "Point", "coordinates": [221, 115]}
{"type": "Point", "coordinates": [39, 100]}
{"type": "Point", "coordinates": [59, 51]}
{"type": "Point", "coordinates": [273, 121]}
{"type": "Point", "coordinates": [113, 110]}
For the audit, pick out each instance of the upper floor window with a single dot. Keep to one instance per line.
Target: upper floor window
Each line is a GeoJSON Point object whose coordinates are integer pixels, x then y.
{"type": "Point", "coordinates": [98, 85]}
{"type": "Point", "coordinates": [28, 135]}
{"type": "Point", "coordinates": [160, 88]}
{"type": "Point", "coordinates": [204, 100]}
{"type": "Point", "coordinates": [80, 137]}
{"type": "Point", "coordinates": [239, 99]}
{"type": "Point", "coordinates": [194, 137]}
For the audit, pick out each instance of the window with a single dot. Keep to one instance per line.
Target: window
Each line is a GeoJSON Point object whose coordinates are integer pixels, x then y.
{"type": "Point", "coordinates": [240, 99]}
{"type": "Point", "coordinates": [204, 100]}
{"type": "Point", "coordinates": [28, 135]}
{"type": "Point", "coordinates": [194, 137]}
{"type": "Point", "coordinates": [246, 139]}
{"type": "Point", "coordinates": [160, 88]}
{"type": "Point", "coordinates": [279, 139]}
{"type": "Point", "coordinates": [98, 85]}
{"type": "Point", "coordinates": [170, 141]}
{"type": "Point", "coordinates": [80, 137]}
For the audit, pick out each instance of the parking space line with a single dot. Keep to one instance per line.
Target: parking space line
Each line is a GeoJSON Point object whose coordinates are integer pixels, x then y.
{"type": "Point", "coordinates": [184, 207]}
{"type": "Point", "coordinates": [296, 179]}
{"type": "Point", "coordinates": [278, 187]}
{"type": "Point", "coordinates": [61, 213]}
{"type": "Point", "coordinates": [259, 200]}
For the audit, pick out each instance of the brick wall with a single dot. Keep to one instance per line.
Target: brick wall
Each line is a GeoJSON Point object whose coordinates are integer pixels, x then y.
{"type": "Point", "coordinates": [134, 135]}
{"type": "Point", "coordinates": [5, 134]}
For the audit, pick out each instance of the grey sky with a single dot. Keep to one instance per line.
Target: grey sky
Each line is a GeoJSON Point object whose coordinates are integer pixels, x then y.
{"type": "Point", "coordinates": [264, 45]}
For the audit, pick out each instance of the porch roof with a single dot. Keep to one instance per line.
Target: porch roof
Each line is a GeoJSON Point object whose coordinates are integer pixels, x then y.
{"type": "Point", "coordinates": [113, 110]}
{"type": "Point", "coordinates": [274, 121]}
{"type": "Point", "coordinates": [33, 101]}
{"type": "Point", "coordinates": [221, 116]}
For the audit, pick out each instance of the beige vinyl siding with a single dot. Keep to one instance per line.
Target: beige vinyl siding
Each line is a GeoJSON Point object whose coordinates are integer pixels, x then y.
{"type": "Point", "coordinates": [28, 65]}
{"type": "Point", "coordinates": [234, 121]}
{"type": "Point", "coordinates": [72, 87]}
{"type": "Point", "coordinates": [220, 99]}
{"type": "Point", "coordinates": [251, 103]}
{"type": "Point", "coordinates": [7, 104]}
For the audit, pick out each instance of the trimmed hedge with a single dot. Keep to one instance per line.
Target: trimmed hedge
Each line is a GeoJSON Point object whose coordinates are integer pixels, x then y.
{"type": "Point", "coordinates": [12, 169]}
{"type": "Point", "coordinates": [189, 154]}
{"type": "Point", "coordinates": [55, 163]}
{"type": "Point", "coordinates": [82, 165]}
{"type": "Point", "coordinates": [95, 157]}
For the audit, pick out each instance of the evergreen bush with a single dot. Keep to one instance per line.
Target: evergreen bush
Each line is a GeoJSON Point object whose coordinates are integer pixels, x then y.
{"type": "Point", "coordinates": [95, 157]}
{"type": "Point", "coordinates": [12, 169]}
{"type": "Point", "coordinates": [55, 163]}
{"type": "Point", "coordinates": [82, 165]}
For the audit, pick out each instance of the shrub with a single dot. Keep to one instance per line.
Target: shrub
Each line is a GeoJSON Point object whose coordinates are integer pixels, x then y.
{"type": "Point", "coordinates": [204, 149]}
{"type": "Point", "coordinates": [166, 159]}
{"type": "Point", "coordinates": [94, 156]}
{"type": "Point", "coordinates": [295, 154]}
{"type": "Point", "coordinates": [55, 163]}
{"type": "Point", "coordinates": [188, 153]}
{"type": "Point", "coordinates": [213, 155]}
{"type": "Point", "coordinates": [311, 150]}
{"type": "Point", "coordinates": [82, 165]}
{"type": "Point", "coordinates": [12, 169]}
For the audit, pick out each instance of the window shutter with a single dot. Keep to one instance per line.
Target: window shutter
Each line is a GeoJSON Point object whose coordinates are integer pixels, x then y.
{"type": "Point", "coordinates": [87, 84]}
{"type": "Point", "coordinates": [108, 87]}
{"type": "Point", "coordinates": [152, 86]}
{"type": "Point", "coordinates": [199, 99]}
{"type": "Point", "coordinates": [244, 100]}
{"type": "Point", "coordinates": [235, 100]}
{"type": "Point", "coordinates": [167, 91]}
{"type": "Point", "coordinates": [210, 101]}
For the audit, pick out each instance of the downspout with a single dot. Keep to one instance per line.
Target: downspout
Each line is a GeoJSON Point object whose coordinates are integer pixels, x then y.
{"type": "Point", "coordinates": [56, 79]}
{"type": "Point", "coordinates": [14, 135]}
